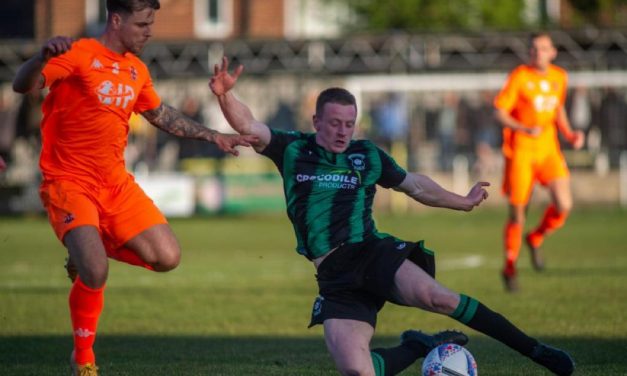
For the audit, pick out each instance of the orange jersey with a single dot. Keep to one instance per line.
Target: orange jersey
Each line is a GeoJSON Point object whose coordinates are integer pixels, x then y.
{"type": "Point", "coordinates": [533, 99]}
{"type": "Point", "coordinates": [93, 92]}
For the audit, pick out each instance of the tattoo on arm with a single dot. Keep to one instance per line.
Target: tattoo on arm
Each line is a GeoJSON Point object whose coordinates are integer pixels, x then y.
{"type": "Point", "coordinates": [174, 122]}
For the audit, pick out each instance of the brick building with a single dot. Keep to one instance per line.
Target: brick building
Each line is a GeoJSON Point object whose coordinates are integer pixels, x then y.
{"type": "Point", "coordinates": [178, 20]}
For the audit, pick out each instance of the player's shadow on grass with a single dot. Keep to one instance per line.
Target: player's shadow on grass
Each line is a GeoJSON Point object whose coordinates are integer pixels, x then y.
{"type": "Point", "coordinates": [202, 355]}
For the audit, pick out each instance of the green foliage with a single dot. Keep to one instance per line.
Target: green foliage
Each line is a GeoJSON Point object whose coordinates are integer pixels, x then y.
{"type": "Point", "coordinates": [240, 301]}
{"type": "Point", "coordinates": [602, 13]}
{"type": "Point", "coordinates": [436, 15]}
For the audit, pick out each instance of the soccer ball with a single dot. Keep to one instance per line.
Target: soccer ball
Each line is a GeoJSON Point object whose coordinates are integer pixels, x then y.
{"type": "Point", "coordinates": [449, 360]}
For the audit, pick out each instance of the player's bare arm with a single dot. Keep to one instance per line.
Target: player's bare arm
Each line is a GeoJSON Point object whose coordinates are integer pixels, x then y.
{"type": "Point", "coordinates": [174, 122]}
{"type": "Point", "coordinates": [237, 114]}
{"type": "Point", "coordinates": [507, 121]}
{"type": "Point", "coordinates": [576, 138]}
{"type": "Point", "coordinates": [426, 191]}
{"type": "Point", "coordinates": [29, 76]}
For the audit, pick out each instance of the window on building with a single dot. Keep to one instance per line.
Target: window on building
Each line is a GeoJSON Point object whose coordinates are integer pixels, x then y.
{"type": "Point", "coordinates": [17, 19]}
{"type": "Point", "coordinates": [213, 18]}
{"type": "Point", "coordinates": [95, 16]}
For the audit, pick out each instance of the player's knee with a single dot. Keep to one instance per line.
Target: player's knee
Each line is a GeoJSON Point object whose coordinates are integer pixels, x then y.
{"type": "Point", "coordinates": [168, 259]}
{"type": "Point", "coordinates": [565, 207]}
{"type": "Point", "coordinates": [354, 370]}
{"type": "Point", "coordinates": [94, 277]}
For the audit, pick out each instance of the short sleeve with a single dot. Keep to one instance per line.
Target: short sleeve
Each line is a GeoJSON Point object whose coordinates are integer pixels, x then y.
{"type": "Point", "coordinates": [60, 67]}
{"type": "Point", "coordinates": [507, 97]}
{"type": "Point", "coordinates": [148, 99]}
{"type": "Point", "coordinates": [392, 175]}
{"type": "Point", "coordinates": [278, 142]}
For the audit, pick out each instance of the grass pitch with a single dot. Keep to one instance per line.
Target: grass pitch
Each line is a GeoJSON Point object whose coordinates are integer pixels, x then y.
{"type": "Point", "coordinates": [240, 301]}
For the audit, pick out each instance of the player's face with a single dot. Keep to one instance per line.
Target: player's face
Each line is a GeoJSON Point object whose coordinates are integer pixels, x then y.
{"type": "Point", "coordinates": [542, 52]}
{"type": "Point", "coordinates": [335, 126]}
{"type": "Point", "coordinates": [136, 29]}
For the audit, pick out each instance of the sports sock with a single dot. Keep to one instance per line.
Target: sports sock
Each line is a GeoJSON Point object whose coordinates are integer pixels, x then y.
{"type": "Point", "coordinates": [391, 361]}
{"type": "Point", "coordinates": [85, 307]}
{"type": "Point", "coordinates": [513, 239]}
{"type": "Point", "coordinates": [479, 317]}
{"type": "Point", "coordinates": [551, 221]}
{"type": "Point", "coordinates": [127, 256]}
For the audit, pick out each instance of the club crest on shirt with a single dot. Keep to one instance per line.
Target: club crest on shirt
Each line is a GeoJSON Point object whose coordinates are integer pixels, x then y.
{"type": "Point", "coordinates": [358, 161]}
{"type": "Point", "coordinates": [133, 73]}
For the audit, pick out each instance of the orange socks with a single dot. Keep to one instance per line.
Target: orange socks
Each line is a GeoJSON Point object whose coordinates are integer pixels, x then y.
{"type": "Point", "coordinates": [551, 221]}
{"type": "Point", "coordinates": [85, 307]}
{"type": "Point", "coordinates": [513, 239]}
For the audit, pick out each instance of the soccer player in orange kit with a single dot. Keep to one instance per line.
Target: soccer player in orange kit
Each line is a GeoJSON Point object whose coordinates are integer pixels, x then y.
{"type": "Point", "coordinates": [530, 107]}
{"type": "Point", "coordinates": [94, 205]}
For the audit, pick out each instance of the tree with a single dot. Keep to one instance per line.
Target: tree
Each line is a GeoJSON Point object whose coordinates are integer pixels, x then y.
{"type": "Point", "coordinates": [435, 15]}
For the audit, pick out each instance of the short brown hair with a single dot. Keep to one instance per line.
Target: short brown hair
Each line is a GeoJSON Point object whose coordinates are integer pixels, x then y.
{"type": "Point", "coordinates": [334, 95]}
{"type": "Point", "coordinates": [130, 6]}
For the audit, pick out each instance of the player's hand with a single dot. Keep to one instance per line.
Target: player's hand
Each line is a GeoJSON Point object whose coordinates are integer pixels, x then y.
{"type": "Point", "coordinates": [578, 139]}
{"type": "Point", "coordinates": [54, 47]}
{"type": "Point", "coordinates": [228, 142]}
{"type": "Point", "coordinates": [477, 194]}
{"type": "Point", "coordinates": [222, 81]}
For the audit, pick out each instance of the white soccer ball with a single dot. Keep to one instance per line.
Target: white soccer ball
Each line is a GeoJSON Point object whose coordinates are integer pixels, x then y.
{"type": "Point", "coordinates": [449, 360]}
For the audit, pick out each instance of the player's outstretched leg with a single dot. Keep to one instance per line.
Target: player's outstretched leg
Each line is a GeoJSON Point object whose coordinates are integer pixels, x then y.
{"type": "Point", "coordinates": [479, 317]}
{"type": "Point", "coordinates": [414, 345]}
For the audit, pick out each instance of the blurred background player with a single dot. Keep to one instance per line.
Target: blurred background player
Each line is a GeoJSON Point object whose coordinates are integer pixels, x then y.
{"type": "Point", "coordinates": [329, 183]}
{"type": "Point", "coordinates": [94, 205]}
{"type": "Point", "coordinates": [530, 107]}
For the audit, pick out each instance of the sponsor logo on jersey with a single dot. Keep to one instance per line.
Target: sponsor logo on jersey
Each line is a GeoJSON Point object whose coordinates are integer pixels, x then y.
{"type": "Point", "coordinates": [96, 64]}
{"type": "Point", "coordinates": [337, 179]}
{"type": "Point", "coordinates": [119, 95]}
{"type": "Point", "coordinates": [68, 218]}
{"type": "Point", "coordinates": [401, 246]}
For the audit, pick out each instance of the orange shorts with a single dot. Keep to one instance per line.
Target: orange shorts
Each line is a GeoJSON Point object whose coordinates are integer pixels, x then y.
{"type": "Point", "coordinates": [524, 169]}
{"type": "Point", "coordinates": [119, 212]}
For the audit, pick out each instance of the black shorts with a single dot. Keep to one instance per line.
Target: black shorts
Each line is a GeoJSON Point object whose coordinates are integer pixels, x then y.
{"type": "Point", "coordinates": [356, 280]}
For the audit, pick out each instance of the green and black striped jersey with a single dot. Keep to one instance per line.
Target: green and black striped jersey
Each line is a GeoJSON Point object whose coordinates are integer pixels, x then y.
{"type": "Point", "coordinates": [329, 195]}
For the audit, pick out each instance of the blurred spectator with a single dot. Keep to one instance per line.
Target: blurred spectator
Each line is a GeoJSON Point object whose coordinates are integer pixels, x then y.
{"type": "Point", "coordinates": [485, 136]}
{"type": "Point", "coordinates": [7, 127]}
{"type": "Point", "coordinates": [190, 148]}
{"type": "Point", "coordinates": [29, 118]}
{"type": "Point", "coordinates": [580, 109]}
{"type": "Point", "coordinates": [390, 120]}
{"type": "Point", "coordinates": [446, 130]}
{"type": "Point", "coordinates": [612, 115]}
{"type": "Point", "coordinates": [284, 117]}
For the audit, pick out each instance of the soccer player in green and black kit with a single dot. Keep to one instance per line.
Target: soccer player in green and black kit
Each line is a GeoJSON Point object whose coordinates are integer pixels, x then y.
{"type": "Point", "coordinates": [329, 182]}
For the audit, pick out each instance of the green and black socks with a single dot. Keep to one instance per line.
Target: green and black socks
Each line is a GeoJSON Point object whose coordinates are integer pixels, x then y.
{"type": "Point", "coordinates": [482, 319]}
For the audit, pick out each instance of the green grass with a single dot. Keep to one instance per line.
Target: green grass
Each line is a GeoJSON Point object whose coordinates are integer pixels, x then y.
{"type": "Point", "coordinates": [240, 301]}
